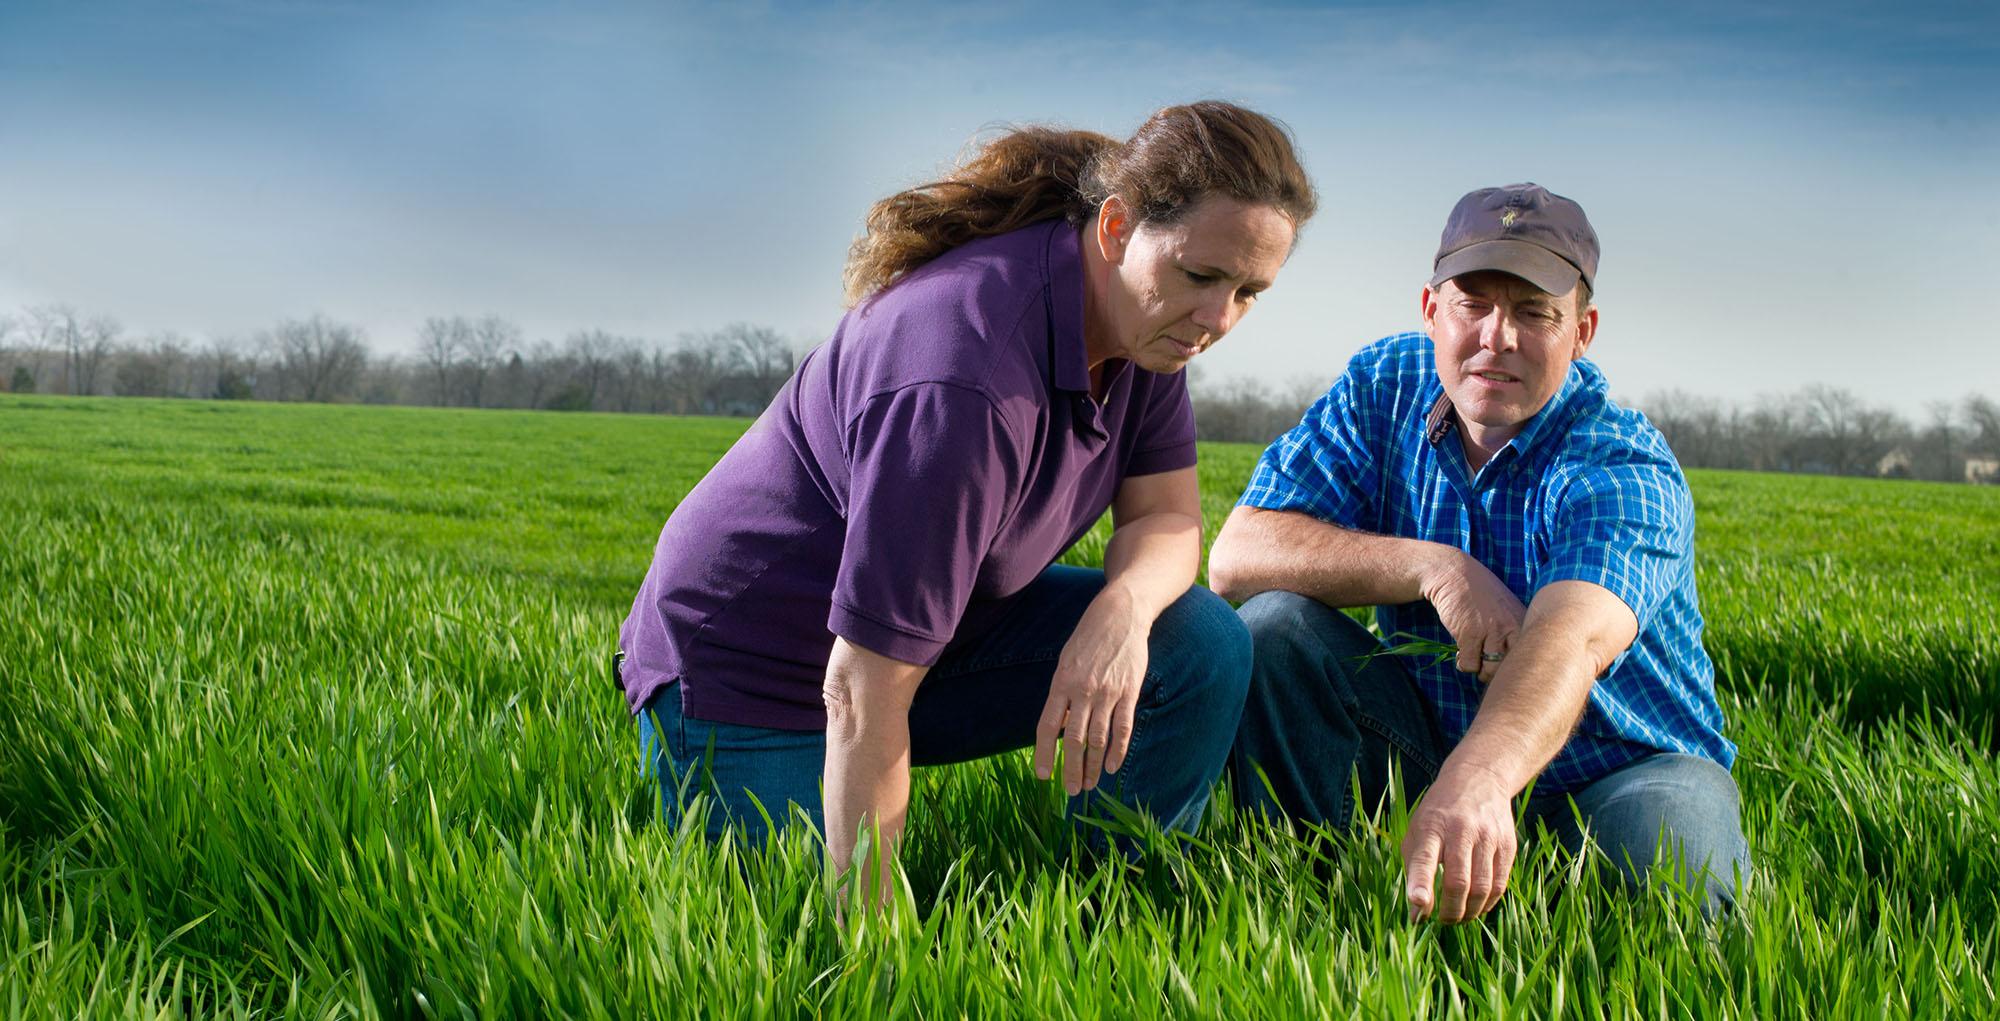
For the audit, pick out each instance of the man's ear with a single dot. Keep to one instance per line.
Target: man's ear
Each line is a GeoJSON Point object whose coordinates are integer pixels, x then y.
{"type": "Point", "coordinates": [1586, 331]}
{"type": "Point", "coordinates": [1115, 225]}
{"type": "Point", "coordinates": [1427, 304]}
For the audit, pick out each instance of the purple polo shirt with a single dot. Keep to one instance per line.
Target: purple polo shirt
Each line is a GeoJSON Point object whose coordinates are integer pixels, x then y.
{"type": "Point", "coordinates": [916, 473]}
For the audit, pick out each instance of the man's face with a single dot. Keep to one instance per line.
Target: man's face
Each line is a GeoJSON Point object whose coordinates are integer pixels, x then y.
{"type": "Point", "coordinates": [1504, 348]}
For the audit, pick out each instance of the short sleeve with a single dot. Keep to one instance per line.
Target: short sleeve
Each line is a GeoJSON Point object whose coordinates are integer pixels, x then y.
{"type": "Point", "coordinates": [1166, 432]}
{"type": "Point", "coordinates": [1326, 465]}
{"type": "Point", "coordinates": [1628, 528]}
{"type": "Point", "coordinates": [932, 467]}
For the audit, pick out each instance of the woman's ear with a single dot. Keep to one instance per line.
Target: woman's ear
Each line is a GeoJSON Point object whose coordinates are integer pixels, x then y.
{"type": "Point", "coordinates": [1115, 225]}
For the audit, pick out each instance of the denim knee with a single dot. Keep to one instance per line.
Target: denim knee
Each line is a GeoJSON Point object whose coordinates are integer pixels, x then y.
{"type": "Point", "coordinates": [1200, 649]}
{"type": "Point", "coordinates": [1683, 805]}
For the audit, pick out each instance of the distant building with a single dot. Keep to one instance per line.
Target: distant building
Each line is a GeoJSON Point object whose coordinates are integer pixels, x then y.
{"type": "Point", "coordinates": [1982, 470]}
{"type": "Point", "coordinates": [1895, 464]}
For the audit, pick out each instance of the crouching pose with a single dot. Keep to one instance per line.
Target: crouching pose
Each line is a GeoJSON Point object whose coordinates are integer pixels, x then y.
{"type": "Point", "coordinates": [864, 583]}
{"type": "Point", "coordinates": [1474, 483]}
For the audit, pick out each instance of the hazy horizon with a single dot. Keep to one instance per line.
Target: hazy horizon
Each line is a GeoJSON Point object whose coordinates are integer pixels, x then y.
{"type": "Point", "coordinates": [1786, 195]}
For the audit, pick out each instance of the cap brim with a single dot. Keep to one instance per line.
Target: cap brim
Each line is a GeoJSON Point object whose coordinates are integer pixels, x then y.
{"type": "Point", "coordinates": [1530, 262]}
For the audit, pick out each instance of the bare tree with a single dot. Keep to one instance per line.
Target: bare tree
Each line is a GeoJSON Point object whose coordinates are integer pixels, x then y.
{"type": "Point", "coordinates": [591, 352]}
{"type": "Point", "coordinates": [317, 359]}
{"type": "Point", "coordinates": [225, 369]}
{"type": "Point", "coordinates": [691, 372]}
{"type": "Point", "coordinates": [762, 353]}
{"type": "Point", "coordinates": [489, 340]}
{"type": "Point", "coordinates": [94, 342]}
{"type": "Point", "coordinates": [54, 328]}
{"type": "Point", "coordinates": [544, 369]}
{"type": "Point", "coordinates": [1982, 416]}
{"type": "Point", "coordinates": [1937, 451]}
{"type": "Point", "coordinates": [628, 376]}
{"type": "Point", "coordinates": [154, 369]}
{"type": "Point", "coordinates": [439, 341]}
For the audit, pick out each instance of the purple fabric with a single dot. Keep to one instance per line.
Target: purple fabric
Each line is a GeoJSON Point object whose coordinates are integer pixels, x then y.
{"type": "Point", "coordinates": [921, 468]}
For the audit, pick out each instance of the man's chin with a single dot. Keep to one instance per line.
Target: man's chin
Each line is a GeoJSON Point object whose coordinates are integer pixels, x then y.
{"type": "Point", "coordinates": [1491, 414]}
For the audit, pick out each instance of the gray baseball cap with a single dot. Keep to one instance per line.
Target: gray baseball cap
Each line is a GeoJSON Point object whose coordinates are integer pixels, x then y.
{"type": "Point", "coordinates": [1522, 229]}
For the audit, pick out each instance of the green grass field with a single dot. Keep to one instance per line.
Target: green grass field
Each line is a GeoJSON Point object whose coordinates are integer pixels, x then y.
{"type": "Point", "coordinates": [303, 712]}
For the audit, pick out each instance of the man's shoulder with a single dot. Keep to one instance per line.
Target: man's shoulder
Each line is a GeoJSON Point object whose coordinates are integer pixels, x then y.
{"type": "Point", "coordinates": [1616, 446]}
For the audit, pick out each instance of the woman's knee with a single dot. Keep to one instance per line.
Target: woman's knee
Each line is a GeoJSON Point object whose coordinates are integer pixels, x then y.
{"type": "Point", "coordinates": [1200, 645]}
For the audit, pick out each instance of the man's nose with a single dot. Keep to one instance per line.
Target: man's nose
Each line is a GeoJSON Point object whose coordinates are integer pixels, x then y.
{"type": "Point", "coordinates": [1499, 333]}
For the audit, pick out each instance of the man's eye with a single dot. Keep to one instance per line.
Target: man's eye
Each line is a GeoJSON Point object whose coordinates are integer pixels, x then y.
{"type": "Point", "coordinates": [1203, 279]}
{"type": "Point", "coordinates": [1247, 295]}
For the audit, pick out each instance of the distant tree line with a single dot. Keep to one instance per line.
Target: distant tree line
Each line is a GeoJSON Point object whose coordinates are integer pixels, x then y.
{"type": "Point", "coordinates": [1819, 430]}
{"type": "Point", "coordinates": [460, 361]}
{"type": "Point", "coordinates": [486, 362]}
{"type": "Point", "coordinates": [1829, 431]}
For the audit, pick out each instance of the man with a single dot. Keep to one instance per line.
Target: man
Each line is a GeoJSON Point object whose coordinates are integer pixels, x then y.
{"type": "Point", "coordinates": [1475, 484]}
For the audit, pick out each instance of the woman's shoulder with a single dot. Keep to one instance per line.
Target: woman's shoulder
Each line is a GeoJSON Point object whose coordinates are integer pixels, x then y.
{"type": "Point", "coordinates": [971, 317]}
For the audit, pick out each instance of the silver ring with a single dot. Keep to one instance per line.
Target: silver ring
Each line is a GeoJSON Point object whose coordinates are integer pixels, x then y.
{"type": "Point", "coordinates": [1492, 657]}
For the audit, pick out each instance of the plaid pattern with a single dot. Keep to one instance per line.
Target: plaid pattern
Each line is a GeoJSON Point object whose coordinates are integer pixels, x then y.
{"type": "Point", "coordinates": [1588, 491]}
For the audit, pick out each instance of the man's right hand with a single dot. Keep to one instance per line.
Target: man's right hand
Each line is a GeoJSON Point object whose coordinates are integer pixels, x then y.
{"type": "Point", "coordinates": [1481, 613]}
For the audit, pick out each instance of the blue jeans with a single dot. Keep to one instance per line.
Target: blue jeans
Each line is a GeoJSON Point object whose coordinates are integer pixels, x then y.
{"type": "Point", "coordinates": [1320, 715]}
{"type": "Point", "coordinates": [984, 698]}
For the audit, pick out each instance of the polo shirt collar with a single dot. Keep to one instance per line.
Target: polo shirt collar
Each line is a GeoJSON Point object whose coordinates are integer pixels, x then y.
{"type": "Point", "coordinates": [1063, 271]}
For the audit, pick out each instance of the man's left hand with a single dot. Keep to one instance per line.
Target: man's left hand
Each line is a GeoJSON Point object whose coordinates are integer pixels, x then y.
{"type": "Point", "coordinates": [1460, 848]}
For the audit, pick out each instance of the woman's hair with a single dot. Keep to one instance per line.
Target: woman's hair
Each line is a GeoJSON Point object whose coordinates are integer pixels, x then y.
{"type": "Point", "coordinates": [1180, 156]}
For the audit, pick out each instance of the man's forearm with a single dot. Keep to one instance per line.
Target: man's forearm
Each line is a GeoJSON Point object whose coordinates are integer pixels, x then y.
{"type": "Point", "coordinates": [1573, 631]}
{"type": "Point", "coordinates": [1265, 550]}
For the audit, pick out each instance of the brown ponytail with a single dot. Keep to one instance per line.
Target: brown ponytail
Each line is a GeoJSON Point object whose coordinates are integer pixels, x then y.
{"type": "Point", "coordinates": [1179, 156]}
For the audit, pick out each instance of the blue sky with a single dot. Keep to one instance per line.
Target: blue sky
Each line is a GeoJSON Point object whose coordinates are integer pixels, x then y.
{"type": "Point", "coordinates": [1787, 193]}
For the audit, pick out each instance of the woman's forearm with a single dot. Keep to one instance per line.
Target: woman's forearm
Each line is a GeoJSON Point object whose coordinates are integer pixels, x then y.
{"type": "Point", "coordinates": [1152, 561]}
{"type": "Point", "coordinates": [867, 773]}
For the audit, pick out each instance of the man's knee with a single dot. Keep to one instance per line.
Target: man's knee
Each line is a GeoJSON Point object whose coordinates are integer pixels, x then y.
{"type": "Point", "coordinates": [1681, 813]}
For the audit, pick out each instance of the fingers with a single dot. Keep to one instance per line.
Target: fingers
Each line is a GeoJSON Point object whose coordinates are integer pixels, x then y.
{"type": "Point", "coordinates": [1096, 738]}
{"type": "Point", "coordinates": [1481, 881]}
{"type": "Point", "coordinates": [1073, 756]}
{"type": "Point", "coordinates": [1420, 859]}
{"type": "Point", "coordinates": [1503, 867]}
{"type": "Point", "coordinates": [1469, 648]}
{"type": "Point", "coordinates": [1491, 654]}
{"type": "Point", "coordinates": [1046, 730]}
{"type": "Point", "coordinates": [1454, 881]}
{"type": "Point", "coordinates": [1456, 877]}
{"type": "Point", "coordinates": [1121, 731]}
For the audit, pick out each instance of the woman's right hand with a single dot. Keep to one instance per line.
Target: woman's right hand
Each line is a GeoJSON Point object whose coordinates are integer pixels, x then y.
{"type": "Point", "coordinates": [1095, 693]}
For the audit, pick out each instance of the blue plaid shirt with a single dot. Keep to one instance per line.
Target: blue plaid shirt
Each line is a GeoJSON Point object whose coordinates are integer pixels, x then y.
{"type": "Point", "coordinates": [1588, 491]}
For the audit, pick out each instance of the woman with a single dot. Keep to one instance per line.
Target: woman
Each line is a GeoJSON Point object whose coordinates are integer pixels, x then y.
{"type": "Point", "coordinates": [864, 582]}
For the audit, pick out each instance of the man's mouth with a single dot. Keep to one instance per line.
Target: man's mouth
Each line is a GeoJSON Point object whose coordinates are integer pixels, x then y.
{"type": "Point", "coordinates": [1497, 377]}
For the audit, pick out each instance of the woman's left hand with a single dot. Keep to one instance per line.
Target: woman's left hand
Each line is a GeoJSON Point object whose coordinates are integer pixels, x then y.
{"type": "Point", "coordinates": [1095, 693]}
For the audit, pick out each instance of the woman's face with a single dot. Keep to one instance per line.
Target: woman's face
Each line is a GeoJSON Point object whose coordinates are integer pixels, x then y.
{"type": "Point", "coordinates": [1176, 288]}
